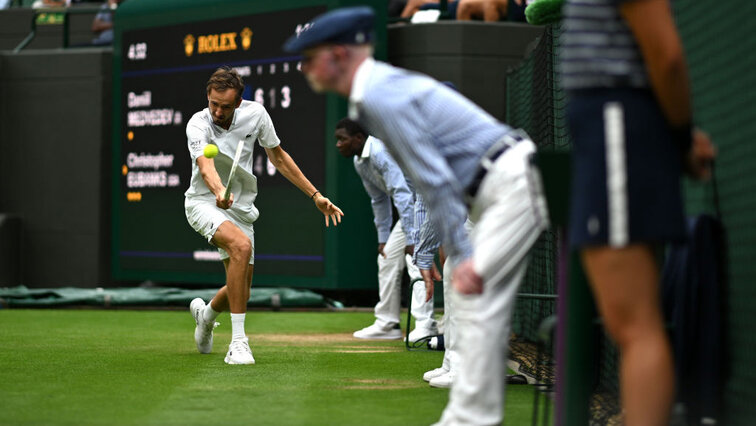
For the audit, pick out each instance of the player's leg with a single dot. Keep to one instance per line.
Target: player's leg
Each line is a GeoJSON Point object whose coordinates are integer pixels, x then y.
{"type": "Point", "coordinates": [390, 268]}
{"type": "Point", "coordinates": [238, 246]}
{"type": "Point", "coordinates": [625, 283]}
{"type": "Point", "coordinates": [205, 218]}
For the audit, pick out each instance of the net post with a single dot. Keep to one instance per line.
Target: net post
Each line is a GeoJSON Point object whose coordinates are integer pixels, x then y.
{"type": "Point", "coordinates": [577, 358]}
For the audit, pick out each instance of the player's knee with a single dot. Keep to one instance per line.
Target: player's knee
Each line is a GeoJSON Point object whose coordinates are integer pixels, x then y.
{"type": "Point", "coordinates": [241, 249]}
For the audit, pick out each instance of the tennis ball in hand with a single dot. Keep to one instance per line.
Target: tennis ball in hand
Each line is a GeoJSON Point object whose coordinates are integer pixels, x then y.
{"type": "Point", "coordinates": [210, 150]}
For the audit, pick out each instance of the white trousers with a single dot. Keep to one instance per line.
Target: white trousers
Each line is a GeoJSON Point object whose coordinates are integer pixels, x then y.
{"type": "Point", "coordinates": [451, 353]}
{"type": "Point", "coordinates": [390, 284]}
{"type": "Point", "coordinates": [509, 213]}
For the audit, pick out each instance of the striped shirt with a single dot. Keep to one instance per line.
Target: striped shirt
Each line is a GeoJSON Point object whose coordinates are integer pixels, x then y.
{"type": "Point", "coordinates": [425, 236]}
{"type": "Point", "coordinates": [384, 181]}
{"type": "Point", "coordinates": [597, 47]}
{"type": "Point", "coordinates": [435, 134]}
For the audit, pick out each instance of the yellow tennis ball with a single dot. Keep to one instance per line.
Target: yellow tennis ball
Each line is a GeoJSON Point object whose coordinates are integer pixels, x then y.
{"type": "Point", "coordinates": [210, 150]}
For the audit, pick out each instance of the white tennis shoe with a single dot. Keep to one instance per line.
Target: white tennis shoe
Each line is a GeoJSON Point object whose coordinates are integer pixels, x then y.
{"type": "Point", "coordinates": [239, 352]}
{"type": "Point", "coordinates": [444, 381]}
{"type": "Point", "coordinates": [375, 331]}
{"type": "Point", "coordinates": [422, 332]}
{"type": "Point", "coordinates": [203, 332]}
{"type": "Point", "coordinates": [432, 374]}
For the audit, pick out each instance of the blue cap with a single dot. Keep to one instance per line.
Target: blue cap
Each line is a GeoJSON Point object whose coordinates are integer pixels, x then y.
{"type": "Point", "coordinates": [349, 25]}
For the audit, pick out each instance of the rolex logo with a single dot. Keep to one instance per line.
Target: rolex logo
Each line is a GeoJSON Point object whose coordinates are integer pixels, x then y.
{"type": "Point", "coordinates": [189, 45]}
{"type": "Point", "coordinates": [246, 35]}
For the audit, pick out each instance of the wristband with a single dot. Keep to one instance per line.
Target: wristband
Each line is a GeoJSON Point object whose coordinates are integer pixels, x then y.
{"type": "Point", "coordinates": [313, 194]}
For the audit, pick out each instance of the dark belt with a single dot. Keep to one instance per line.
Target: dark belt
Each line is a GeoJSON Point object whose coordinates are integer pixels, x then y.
{"type": "Point", "coordinates": [485, 163]}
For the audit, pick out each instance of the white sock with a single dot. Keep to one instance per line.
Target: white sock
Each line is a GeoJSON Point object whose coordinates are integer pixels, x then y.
{"type": "Point", "coordinates": [237, 327]}
{"type": "Point", "coordinates": [209, 314]}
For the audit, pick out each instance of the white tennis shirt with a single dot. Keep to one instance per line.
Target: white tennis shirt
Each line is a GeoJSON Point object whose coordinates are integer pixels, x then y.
{"type": "Point", "coordinates": [251, 123]}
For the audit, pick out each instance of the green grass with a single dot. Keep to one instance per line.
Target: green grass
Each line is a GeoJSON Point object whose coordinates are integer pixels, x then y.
{"type": "Point", "coordinates": [142, 367]}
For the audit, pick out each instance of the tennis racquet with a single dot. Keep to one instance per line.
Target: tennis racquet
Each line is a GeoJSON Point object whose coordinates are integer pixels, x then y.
{"type": "Point", "coordinates": [237, 156]}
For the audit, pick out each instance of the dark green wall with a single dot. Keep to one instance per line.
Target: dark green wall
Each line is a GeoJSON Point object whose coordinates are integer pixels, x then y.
{"type": "Point", "coordinates": [54, 138]}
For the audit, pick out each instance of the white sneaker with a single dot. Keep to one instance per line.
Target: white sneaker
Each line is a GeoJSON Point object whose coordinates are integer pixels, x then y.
{"type": "Point", "coordinates": [203, 332]}
{"type": "Point", "coordinates": [440, 371]}
{"type": "Point", "coordinates": [444, 381]}
{"type": "Point", "coordinates": [239, 352]}
{"type": "Point", "coordinates": [375, 331]}
{"type": "Point", "coordinates": [420, 333]}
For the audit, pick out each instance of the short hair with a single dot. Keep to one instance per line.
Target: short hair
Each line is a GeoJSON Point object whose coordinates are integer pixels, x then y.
{"type": "Point", "coordinates": [351, 126]}
{"type": "Point", "coordinates": [225, 78]}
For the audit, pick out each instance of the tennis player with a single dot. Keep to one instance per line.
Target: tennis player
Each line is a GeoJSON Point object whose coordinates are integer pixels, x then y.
{"type": "Point", "coordinates": [227, 223]}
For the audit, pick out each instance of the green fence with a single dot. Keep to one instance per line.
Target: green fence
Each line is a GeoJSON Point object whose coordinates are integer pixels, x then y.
{"type": "Point", "coordinates": [719, 45]}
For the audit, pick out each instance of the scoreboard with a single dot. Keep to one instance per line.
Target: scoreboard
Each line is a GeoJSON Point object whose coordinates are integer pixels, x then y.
{"type": "Point", "coordinates": [160, 74]}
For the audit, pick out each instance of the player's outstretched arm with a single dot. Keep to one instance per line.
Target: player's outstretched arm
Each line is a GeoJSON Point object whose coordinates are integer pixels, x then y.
{"type": "Point", "coordinates": [289, 169]}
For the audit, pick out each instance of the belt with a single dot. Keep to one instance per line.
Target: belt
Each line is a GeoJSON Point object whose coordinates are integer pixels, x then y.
{"type": "Point", "coordinates": [498, 148]}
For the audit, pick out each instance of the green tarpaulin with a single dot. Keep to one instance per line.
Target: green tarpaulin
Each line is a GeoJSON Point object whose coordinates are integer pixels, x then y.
{"type": "Point", "coordinates": [23, 297]}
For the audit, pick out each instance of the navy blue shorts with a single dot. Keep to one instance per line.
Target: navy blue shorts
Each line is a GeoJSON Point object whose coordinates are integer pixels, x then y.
{"type": "Point", "coordinates": [625, 170]}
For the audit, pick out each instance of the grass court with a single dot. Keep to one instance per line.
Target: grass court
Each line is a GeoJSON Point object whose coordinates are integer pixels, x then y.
{"type": "Point", "coordinates": [127, 367]}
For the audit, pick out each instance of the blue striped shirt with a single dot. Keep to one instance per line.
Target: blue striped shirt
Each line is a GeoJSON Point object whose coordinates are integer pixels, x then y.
{"type": "Point", "coordinates": [425, 236]}
{"type": "Point", "coordinates": [384, 181]}
{"type": "Point", "coordinates": [597, 47]}
{"type": "Point", "coordinates": [435, 134]}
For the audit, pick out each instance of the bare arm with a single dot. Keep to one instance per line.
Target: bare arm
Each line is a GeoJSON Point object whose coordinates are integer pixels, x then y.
{"type": "Point", "coordinates": [654, 29]}
{"type": "Point", "coordinates": [213, 181]}
{"type": "Point", "coordinates": [289, 169]}
{"type": "Point", "coordinates": [653, 26]}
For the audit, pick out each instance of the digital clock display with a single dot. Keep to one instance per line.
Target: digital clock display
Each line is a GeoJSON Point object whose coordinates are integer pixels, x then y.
{"type": "Point", "coordinates": [163, 74]}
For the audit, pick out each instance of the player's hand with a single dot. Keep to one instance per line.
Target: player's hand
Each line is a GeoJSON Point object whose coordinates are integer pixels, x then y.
{"type": "Point", "coordinates": [410, 249]}
{"type": "Point", "coordinates": [329, 210]}
{"type": "Point", "coordinates": [466, 280]}
{"type": "Point", "coordinates": [430, 276]}
{"type": "Point", "coordinates": [222, 202]}
{"type": "Point", "coordinates": [381, 246]}
{"type": "Point", "coordinates": [702, 153]}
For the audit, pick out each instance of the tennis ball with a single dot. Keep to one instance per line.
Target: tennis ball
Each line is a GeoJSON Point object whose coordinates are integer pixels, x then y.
{"type": "Point", "coordinates": [210, 150]}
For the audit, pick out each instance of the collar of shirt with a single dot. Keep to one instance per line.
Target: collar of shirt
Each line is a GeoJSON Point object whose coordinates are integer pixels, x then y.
{"type": "Point", "coordinates": [358, 86]}
{"type": "Point", "coordinates": [365, 150]}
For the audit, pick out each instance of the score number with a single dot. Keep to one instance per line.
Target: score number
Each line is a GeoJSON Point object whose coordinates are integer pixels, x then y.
{"type": "Point", "coordinates": [275, 97]}
{"type": "Point", "coordinates": [137, 51]}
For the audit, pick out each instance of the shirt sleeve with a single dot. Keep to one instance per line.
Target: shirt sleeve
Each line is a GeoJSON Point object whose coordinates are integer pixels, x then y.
{"type": "Point", "coordinates": [381, 204]}
{"type": "Point", "coordinates": [426, 166]}
{"type": "Point", "coordinates": [266, 135]}
{"type": "Point", "coordinates": [197, 138]}
{"type": "Point", "coordinates": [426, 237]}
{"type": "Point", "coordinates": [396, 184]}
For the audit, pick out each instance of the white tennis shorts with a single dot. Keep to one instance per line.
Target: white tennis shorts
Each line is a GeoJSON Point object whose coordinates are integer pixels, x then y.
{"type": "Point", "coordinates": [205, 217]}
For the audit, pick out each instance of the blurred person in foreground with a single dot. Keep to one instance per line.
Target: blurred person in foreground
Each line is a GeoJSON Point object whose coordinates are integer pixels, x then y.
{"type": "Point", "coordinates": [629, 113]}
